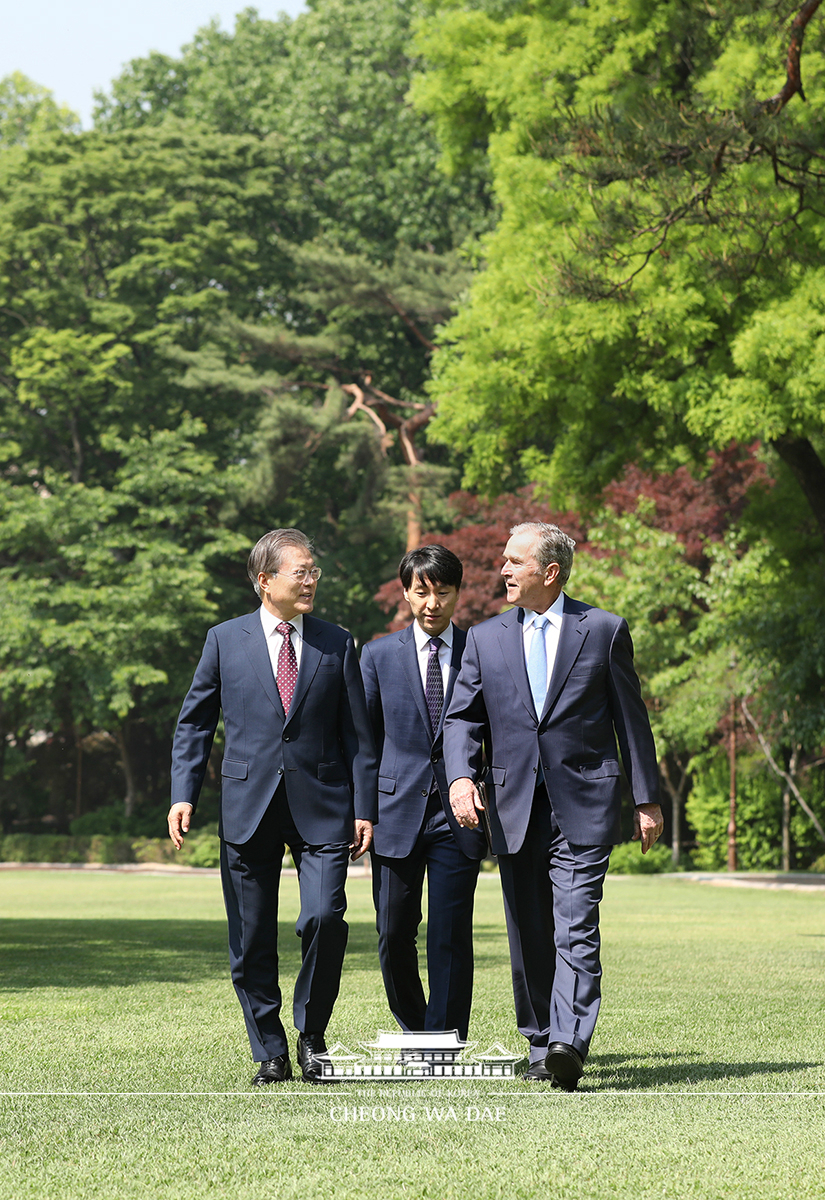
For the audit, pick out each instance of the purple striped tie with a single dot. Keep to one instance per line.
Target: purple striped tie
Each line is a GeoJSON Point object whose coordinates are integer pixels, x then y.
{"type": "Point", "coordinates": [434, 691]}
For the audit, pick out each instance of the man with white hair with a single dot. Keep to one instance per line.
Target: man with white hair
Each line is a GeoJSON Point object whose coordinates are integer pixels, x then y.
{"type": "Point", "coordinates": [546, 690]}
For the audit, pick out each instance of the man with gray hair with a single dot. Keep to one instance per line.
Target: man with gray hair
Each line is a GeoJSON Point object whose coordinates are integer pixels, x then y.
{"type": "Point", "coordinates": [546, 690]}
{"type": "Point", "coordinates": [299, 769]}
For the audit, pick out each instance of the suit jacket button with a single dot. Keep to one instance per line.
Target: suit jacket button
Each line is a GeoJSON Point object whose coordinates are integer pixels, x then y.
{"type": "Point", "coordinates": [424, 792]}
{"type": "Point", "coordinates": [280, 770]}
{"type": "Point", "coordinates": [286, 737]}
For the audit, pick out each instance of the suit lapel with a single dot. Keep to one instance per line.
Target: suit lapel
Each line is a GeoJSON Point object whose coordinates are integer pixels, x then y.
{"type": "Point", "coordinates": [459, 642]}
{"type": "Point", "coordinates": [572, 637]}
{"type": "Point", "coordinates": [408, 655]}
{"type": "Point", "coordinates": [511, 640]}
{"type": "Point", "coordinates": [257, 652]}
{"type": "Point", "coordinates": [311, 654]}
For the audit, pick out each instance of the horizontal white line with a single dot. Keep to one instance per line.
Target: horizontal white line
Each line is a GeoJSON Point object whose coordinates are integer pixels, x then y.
{"type": "Point", "coordinates": [328, 1093]}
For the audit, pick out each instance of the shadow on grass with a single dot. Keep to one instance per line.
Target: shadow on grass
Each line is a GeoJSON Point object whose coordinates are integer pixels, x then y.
{"type": "Point", "coordinates": [117, 953]}
{"type": "Point", "coordinates": [622, 1073]}
{"type": "Point", "coordinates": [489, 946]}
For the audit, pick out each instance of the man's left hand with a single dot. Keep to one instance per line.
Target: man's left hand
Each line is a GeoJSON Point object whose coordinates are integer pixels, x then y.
{"type": "Point", "coordinates": [361, 840]}
{"type": "Point", "coordinates": [648, 824]}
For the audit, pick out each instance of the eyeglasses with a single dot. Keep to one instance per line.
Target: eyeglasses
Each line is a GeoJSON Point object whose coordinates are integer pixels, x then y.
{"type": "Point", "coordinates": [302, 574]}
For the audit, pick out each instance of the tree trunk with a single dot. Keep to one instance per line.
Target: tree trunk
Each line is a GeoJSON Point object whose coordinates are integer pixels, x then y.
{"type": "Point", "coordinates": [414, 531]}
{"type": "Point", "coordinates": [786, 812]}
{"type": "Point", "coordinates": [808, 470]}
{"type": "Point", "coordinates": [786, 829]}
{"type": "Point", "coordinates": [732, 864]}
{"type": "Point", "coordinates": [131, 798]}
{"type": "Point", "coordinates": [677, 795]}
{"type": "Point", "coordinates": [78, 783]}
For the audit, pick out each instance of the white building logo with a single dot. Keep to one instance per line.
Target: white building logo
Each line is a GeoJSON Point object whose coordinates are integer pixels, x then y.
{"type": "Point", "coordinates": [419, 1056]}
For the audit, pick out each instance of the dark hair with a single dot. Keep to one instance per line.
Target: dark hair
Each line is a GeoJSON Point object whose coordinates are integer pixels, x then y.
{"type": "Point", "coordinates": [434, 563]}
{"type": "Point", "coordinates": [267, 552]}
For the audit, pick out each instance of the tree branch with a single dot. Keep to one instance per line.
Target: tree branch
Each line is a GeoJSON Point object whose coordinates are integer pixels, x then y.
{"type": "Point", "coordinates": [360, 404]}
{"type": "Point", "coordinates": [793, 63]}
{"type": "Point", "coordinates": [766, 750]}
{"type": "Point", "coordinates": [408, 321]}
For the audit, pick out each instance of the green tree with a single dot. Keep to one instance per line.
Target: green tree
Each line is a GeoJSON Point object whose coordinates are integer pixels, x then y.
{"type": "Point", "coordinates": [263, 300]}
{"type": "Point", "coordinates": [28, 110]}
{"type": "Point", "coordinates": [375, 269]}
{"type": "Point", "coordinates": [330, 88]}
{"type": "Point", "coordinates": [103, 587]}
{"type": "Point", "coordinates": [654, 285]}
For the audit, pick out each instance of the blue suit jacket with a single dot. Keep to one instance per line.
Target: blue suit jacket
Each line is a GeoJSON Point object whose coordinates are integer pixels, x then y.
{"type": "Point", "coordinates": [409, 755]}
{"type": "Point", "coordinates": [323, 752]}
{"type": "Point", "coordinates": [593, 698]}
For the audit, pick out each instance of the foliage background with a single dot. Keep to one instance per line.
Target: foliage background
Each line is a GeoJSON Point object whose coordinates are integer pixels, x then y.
{"type": "Point", "coordinates": [403, 271]}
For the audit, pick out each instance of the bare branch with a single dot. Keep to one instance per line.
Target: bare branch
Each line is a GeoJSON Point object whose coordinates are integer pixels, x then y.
{"type": "Point", "coordinates": [392, 400]}
{"type": "Point", "coordinates": [360, 404]}
{"type": "Point", "coordinates": [408, 321]}
{"type": "Point", "coordinates": [793, 63]}
{"type": "Point", "coordinates": [766, 750]}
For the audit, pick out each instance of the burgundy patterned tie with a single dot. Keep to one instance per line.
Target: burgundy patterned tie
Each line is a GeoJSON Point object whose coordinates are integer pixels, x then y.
{"type": "Point", "coordinates": [434, 691]}
{"type": "Point", "coordinates": [287, 666]}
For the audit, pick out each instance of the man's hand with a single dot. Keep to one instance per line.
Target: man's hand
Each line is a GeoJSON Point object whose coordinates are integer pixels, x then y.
{"type": "Point", "coordinates": [361, 840]}
{"type": "Point", "coordinates": [178, 822]}
{"type": "Point", "coordinates": [465, 802]}
{"type": "Point", "coordinates": [648, 824]}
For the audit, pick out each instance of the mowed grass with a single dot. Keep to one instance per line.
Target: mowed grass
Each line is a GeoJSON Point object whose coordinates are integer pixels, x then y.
{"type": "Point", "coordinates": [125, 1068]}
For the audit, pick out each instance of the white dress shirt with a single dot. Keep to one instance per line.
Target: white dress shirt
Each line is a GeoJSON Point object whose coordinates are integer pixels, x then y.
{"type": "Point", "coordinates": [445, 652]}
{"type": "Point", "coordinates": [551, 632]}
{"type": "Point", "coordinates": [275, 639]}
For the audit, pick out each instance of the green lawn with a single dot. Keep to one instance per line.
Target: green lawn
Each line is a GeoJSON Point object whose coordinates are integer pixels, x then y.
{"type": "Point", "coordinates": [125, 1068]}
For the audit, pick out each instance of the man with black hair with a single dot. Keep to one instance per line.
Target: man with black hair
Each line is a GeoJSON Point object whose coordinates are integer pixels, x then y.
{"type": "Point", "coordinates": [409, 678]}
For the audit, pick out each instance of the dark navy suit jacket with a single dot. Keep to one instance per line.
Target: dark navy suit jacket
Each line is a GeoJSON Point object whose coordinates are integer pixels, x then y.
{"type": "Point", "coordinates": [409, 755]}
{"type": "Point", "coordinates": [323, 752]}
{"type": "Point", "coordinates": [593, 699]}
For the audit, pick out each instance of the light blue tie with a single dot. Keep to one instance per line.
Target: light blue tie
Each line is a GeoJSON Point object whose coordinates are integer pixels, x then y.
{"type": "Point", "coordinates": [537, 664]}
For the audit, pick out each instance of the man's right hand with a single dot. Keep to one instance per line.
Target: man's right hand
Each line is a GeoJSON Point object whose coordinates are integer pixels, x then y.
{"type": "Point", "coordinates": [178, 822]}
{"type": "Point", "coordinates": [465, 803]}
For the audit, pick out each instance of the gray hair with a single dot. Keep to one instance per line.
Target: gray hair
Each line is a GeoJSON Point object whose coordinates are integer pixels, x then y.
{"type": "Point", "coordinates": [267, 553]}
{"type": "Point", "coordinates": [552, 546]}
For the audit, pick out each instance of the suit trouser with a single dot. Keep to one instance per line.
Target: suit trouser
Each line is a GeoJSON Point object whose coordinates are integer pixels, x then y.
{"type": "Point", "coordinates": [251, 875]}
{"type": "Point", "coordinates": [552, 891]}
{"type": "Point", "coordinates": [397, 885]}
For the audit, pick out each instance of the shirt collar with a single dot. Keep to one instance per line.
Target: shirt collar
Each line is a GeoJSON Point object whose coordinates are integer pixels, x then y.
{"type": "Point", "coordinates": [554, 613]}
{"type": "Point", "coordinates": [423, 639]}
{"type": "Point", "coordinates": [270, 622]}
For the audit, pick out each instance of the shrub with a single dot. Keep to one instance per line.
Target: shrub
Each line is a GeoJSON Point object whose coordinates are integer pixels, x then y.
{"type": "Point", "coordinates": [108, 848]}
{"type": "Point", "coordinates": [111, 821]}
{"type": "Point", "coordinates": [628, 859]}
{"type": "Point", "coordinates": [202, 848]}
{"type": "Point", "coordinates": [758, 817]}
{"type": "Point", "coordinates": [153, 850]}
{"type": "Point", "coordinates": [43, 847]}
{"type": "Point", "coordinates": [104, 822]}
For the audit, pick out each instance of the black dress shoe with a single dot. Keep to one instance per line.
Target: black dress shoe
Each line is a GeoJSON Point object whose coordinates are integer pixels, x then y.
{"type": "Point", "coordinates": [274, 1070]}
{"type": "Point", "coordinates": [565, 1064]}
{"type": "Point", "coordinates": [312, 1055]}
{"type": "Point", "coordinates": [538, 1073]}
